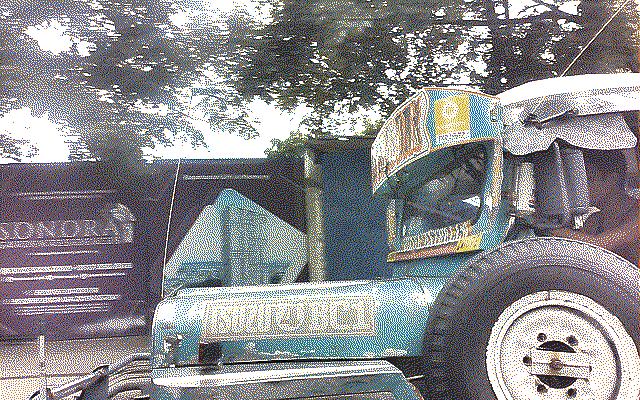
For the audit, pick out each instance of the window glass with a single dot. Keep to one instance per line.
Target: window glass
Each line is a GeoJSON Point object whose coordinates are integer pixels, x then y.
{"type": "Point", "coordinates": [450, 197]}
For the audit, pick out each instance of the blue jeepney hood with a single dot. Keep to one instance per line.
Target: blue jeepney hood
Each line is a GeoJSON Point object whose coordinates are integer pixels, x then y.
{"type": "Point", "coordinates": [332, 320]}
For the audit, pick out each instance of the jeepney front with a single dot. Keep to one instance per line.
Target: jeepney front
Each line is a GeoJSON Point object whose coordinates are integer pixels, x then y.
{"type": "Point", "coordinates": [273, 340]}
{"type": "Point", "coordinates": [289, 341]}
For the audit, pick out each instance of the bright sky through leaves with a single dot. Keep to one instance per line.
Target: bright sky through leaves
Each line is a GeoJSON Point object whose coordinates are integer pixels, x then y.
{"type": "Point", "coordinates": [44, 140]}
{"type": "Point", "coordinates": [130, 79]}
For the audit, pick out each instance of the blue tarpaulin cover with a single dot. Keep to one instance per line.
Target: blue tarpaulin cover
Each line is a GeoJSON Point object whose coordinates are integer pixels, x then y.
{"type": "Point", "coordinates": [236, 242]}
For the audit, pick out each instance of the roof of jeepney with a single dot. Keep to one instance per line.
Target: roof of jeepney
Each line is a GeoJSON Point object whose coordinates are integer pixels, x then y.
{"type": "Point", "coordinates": [571, 85]}
{"type": "Point", "coordinates": [583, 110]}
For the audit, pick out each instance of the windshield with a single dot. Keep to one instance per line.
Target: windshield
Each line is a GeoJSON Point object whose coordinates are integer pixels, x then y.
{"type": "Point", "coordinates": [449, 198]}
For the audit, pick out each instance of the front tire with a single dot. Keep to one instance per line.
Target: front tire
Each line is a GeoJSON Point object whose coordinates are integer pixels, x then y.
{"type": "Point", "coordinates": [541, 318]}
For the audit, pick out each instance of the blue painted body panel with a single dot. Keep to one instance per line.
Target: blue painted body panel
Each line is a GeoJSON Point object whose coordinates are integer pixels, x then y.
{"type": "Point", "coordinates": [400, 313]}
{"type": "Point", "coordinates": [356, 240]}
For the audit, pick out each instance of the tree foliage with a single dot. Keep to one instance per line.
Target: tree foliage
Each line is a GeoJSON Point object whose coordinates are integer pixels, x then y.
{"type": "Point", "coordinates": [124, 74]}
{"type": "Point", "coordinates": [291, 147]}
{"type": "Point", "coordinates": [131, 75]}
{"type": "Point", "coordinates": [340, 55]}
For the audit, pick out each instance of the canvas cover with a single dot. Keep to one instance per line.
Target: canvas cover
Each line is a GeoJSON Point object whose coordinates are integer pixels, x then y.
{"type": "Point", "coordinates": [235, 242]}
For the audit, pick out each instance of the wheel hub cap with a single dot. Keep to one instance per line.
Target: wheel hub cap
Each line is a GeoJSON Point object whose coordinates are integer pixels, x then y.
{"type": "Point", "coordinates": [561, 345]}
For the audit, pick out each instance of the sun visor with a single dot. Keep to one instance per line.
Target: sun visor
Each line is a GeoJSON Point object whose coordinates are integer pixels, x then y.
{"type": "Point", "coordinates": [431, 120]}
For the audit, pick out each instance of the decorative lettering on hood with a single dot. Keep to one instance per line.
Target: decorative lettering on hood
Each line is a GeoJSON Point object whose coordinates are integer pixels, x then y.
{"type": "Point", "coordinates": [242, 319]}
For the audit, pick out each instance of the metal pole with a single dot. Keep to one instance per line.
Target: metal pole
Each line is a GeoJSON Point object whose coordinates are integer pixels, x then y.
{"type": "Point", "coordinates": [166, 243]}
{"type": "Point", "coordinates": [315, 223]}
{"type": "Point", "coordinates": [45, 393]}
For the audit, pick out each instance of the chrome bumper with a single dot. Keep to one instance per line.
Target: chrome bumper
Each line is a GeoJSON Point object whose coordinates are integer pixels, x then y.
{"type": "Point", "coordinates": [287, 380]}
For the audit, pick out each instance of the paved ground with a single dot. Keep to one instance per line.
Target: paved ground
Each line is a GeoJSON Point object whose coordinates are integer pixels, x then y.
{"type": "Point", "coordinates": [66, 360]}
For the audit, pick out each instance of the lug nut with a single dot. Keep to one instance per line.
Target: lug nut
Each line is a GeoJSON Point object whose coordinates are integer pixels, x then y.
{"type": "Point", "coordinates": [526, 360]}
{"type": "Point", "coordinates": [572, 340]}
{"type": "Point", "coordinates": [542, 337]}
{"type": "Point", "coordinates": [571, 393]}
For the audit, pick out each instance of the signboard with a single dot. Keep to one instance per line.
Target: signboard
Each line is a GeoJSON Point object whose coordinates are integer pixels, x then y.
{"type": "Point", "coordinates": [68, 266]}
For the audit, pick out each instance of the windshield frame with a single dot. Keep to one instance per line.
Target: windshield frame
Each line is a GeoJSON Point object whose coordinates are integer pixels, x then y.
{"type": "Point", "coordinates": [461, 237]}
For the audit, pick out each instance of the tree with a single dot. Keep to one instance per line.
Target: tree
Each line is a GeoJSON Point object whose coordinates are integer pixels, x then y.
{"type": "Point", "coordinates": [11, 147]}
{"type": "Point", "coordinates": [129, 74]}
{"type": "Point", "coordinates": [543, 39]}
{"type": "Point", "coordinates": [341, 56]}
{"type": "Point", "coordinates": [122, 75]}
